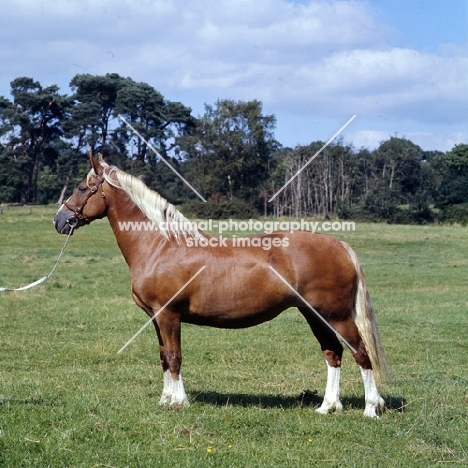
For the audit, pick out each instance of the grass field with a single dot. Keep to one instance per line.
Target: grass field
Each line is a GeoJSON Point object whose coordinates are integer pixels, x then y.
{"type": "Point", "coordinates": [67, 399]}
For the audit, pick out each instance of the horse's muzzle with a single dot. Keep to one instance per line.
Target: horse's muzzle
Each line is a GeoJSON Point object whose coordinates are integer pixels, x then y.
{"type": "Point", "coordinates": [64, 222]}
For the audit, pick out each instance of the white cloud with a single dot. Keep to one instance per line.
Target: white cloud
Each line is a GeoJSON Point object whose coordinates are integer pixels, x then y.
{"type": "Point", "coordinates": [440, 140]}
{"type": "Point", "coordinates": [370, 139]}
{"type": "Point", "coordinates": [321, 58]}
{"type": "Point", "coordinates": [209, 36]}
{"type": "Point", "coordinates": [397, 82]}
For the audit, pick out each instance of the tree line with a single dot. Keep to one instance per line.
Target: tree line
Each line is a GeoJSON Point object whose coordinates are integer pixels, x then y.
{"type": "Point", "coordinates": [229, 154]}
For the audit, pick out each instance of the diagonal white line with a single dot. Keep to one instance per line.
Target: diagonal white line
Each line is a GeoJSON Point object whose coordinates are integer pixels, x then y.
{"type": "Point", "coordinates": [312, 158]}
{"type": "Point", "coordinates": [312, 309]}
{"type": "Point", "coordinates": [161, 309]}
{"type": "Point", "coordinates": [157, 153]}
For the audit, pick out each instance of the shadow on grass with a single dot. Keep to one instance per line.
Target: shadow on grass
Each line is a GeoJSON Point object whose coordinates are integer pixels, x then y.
{"type": "Point", "coordinates": [307, 398]}
{"type": "Point", "coordinates": [33, 401]}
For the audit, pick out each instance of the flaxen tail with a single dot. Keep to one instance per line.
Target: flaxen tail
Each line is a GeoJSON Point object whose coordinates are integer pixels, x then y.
{"type": "Point", "coordinates": [366, 322]}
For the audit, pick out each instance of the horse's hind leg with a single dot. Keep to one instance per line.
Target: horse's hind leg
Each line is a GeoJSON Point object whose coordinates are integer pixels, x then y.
{"type": "Point", "coordinates": [333, 352]}
{"type": "Point", "coordinates": [374, 402]}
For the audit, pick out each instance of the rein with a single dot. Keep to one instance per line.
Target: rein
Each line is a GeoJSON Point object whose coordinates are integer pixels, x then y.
{"type": "Point", "coordinates": [45, 278]}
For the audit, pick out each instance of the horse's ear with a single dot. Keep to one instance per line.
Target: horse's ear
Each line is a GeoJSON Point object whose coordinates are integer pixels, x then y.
{"type": "Point", "coordinates": [95, 164]}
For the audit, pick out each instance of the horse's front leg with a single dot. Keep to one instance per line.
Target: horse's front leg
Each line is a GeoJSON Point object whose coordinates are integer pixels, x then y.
{"type": "Point", "coordinates": [168, 327]}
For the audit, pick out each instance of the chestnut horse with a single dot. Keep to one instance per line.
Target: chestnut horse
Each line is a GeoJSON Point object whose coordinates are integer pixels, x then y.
{"type": "Point", "coordinates": [237, 287]}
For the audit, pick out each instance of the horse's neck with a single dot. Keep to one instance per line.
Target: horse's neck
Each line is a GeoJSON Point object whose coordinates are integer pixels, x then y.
{"type": "Point", "coordinates": [131, 227]}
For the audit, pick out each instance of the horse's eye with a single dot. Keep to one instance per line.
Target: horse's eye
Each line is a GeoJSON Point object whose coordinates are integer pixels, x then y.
{"type": "Point", "coordinates": [82, 188]}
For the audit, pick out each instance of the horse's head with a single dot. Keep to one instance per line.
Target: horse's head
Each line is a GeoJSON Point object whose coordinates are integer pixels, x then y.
{"type": "Point", "coordinates": [87, 202]}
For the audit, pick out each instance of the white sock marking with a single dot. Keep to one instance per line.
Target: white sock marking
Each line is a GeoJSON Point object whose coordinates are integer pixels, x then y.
{"type": "Point", "coordinates": [173, 391]}
{"type": "Point", "coordinates": [374, 402]}
{"type": "Point", "coordinates": [331, 400]}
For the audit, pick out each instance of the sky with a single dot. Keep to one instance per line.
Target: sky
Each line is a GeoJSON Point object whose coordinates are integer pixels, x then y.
{"type": "Point", "coordinates": [399, 66]}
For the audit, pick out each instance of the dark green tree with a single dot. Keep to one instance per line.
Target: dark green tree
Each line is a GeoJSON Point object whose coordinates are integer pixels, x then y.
{"type": "Point", "coordinates": [32, 126]}
{"type": "Point", "coordinates": [161, 123]}
{"type": "Point", "coordinates": [230, 150]}
{"type": "Point", "coordinates": [393, 176]}
{"type": "Point", "coordinates": [454, 184]}
{"type": "Point", "coordinates": [88, 127]}
{"type": "Point", "coordinates": [158, 120]}
{"type": "Point", "coordinates": [95, 99]}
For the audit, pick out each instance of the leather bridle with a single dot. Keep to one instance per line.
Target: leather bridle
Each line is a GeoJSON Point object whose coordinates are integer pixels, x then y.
{"type": "Point", "coordinates": [78, 211]}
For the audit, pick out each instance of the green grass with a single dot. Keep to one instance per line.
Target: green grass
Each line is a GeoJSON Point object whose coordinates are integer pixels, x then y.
{"type": "Point", "coordinates": [68, 400]}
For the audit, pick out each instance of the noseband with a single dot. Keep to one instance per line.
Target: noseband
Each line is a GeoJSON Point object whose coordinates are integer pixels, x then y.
{"type": "Point", "coordinates": [78, 211]}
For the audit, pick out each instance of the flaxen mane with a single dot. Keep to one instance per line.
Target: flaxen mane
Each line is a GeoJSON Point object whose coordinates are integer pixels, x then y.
{"type": "Point", "coordinates": [170, 222]}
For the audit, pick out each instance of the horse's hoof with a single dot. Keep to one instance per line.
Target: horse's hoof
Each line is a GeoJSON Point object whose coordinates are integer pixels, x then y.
{"type": "Point", "coordinates": [326, 408]}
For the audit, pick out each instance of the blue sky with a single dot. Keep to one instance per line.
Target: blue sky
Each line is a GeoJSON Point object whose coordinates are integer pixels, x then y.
{"type": "Point", "coordinates": [426, 24]}
{"type": "Point", "coordinates": [400, 66]}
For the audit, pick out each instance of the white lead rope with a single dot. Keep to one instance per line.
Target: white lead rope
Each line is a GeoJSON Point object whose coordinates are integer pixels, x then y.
{"type": "Point", "coordinates": [45, 278]}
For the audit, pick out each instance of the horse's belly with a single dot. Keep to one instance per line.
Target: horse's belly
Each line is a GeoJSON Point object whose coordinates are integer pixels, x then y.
{"type": "Point", "coordinates": [238, 307]}
{"type": "Point", "coordinates": [231, 319]}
